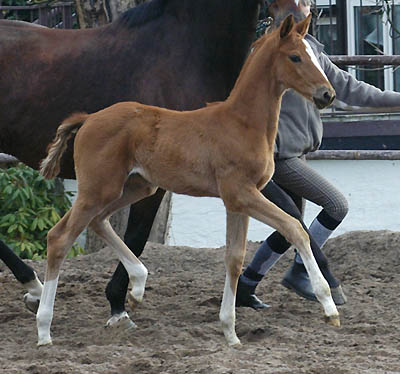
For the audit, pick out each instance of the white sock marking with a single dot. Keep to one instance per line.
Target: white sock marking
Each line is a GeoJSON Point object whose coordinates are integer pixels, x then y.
{"type": "Point", "coordinates": [227, 313]}
{"type": "Point", "coordinates": [45, 312]}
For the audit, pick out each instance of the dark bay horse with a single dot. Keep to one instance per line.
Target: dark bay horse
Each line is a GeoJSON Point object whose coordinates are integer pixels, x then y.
{"type": "Point", "coordinates": [177, 54]}
{"type": "Point", "coordinates": [224, 150]}
{"type": "Point", "coordinates": [169, 53]}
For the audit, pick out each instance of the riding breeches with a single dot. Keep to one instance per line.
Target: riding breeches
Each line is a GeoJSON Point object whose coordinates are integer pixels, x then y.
{"type": "Point", "coordinates": [301, 181]}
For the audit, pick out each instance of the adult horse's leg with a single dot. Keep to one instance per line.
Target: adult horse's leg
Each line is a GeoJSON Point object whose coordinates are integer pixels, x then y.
{"type": "Point", "coordinates": [140, 221]}
{"type": "Point", "coordinates": [24, 274]}
{"type": "Point", "coordinates": [236, 234]}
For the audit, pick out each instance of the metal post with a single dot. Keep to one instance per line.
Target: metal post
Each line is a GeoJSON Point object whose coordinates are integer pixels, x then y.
{"type": "Point", "coordinates": [43, 16]}
{"type": "Point", "coordinates": [341, 27]}
{"type": "Point", "coordinates": [67, 16]}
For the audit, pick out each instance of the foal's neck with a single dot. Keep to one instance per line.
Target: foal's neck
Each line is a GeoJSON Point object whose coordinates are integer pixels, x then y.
{"type": "Point", "coordinates": [257, 94]}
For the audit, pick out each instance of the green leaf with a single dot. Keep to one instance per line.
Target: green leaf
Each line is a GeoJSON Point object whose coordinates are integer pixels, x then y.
{"type": "Point", "coordinates": [12, 228]}
{"type": "Point", "coordinates": [34, 224]}
{"type": "Point", "coordinates": [40, 224]}
{"type": "Point", "coordinates": [29, 207]}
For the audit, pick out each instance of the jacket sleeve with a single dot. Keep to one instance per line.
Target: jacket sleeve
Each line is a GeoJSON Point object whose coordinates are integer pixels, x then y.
{"type": "Point", "coordinates": [354, 92]}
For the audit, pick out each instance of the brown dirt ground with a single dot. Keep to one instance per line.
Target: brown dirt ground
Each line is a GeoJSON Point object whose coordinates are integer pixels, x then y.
{"type": "Point", "coordinates": [178, 329]}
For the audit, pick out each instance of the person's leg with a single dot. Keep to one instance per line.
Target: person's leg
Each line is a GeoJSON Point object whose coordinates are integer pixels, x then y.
{"type": "Point", "coordinates": [296, 176]}
{"type": "Point", "coordinates": [272, 250]}
{"type": "Point", "coordinates": [298, 200]}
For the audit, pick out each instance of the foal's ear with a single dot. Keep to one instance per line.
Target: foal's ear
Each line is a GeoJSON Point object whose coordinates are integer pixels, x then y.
{"type": "Point", "coordinates": [303, 26]}
{"type": "Point", "coordinates": [286, 26]}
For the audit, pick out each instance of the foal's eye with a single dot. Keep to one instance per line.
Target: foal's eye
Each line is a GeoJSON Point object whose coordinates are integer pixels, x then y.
{"type": "Point", "coordinates": [295, 58]}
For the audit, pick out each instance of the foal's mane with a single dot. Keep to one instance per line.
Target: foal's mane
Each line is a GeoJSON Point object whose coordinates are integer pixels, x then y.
{"type": "Point", "coordinates": [142, 13]}
{"type": "Point", "coordinates": [255, 47]}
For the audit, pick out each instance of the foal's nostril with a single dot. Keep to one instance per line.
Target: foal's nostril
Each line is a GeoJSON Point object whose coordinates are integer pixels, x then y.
{"type": "Point", "coordinates": [327, 96]}
{"type": "Point", "coordinates": [324, 97]}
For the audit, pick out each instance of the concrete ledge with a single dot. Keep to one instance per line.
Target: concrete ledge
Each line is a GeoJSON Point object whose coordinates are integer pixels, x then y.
{"type": "Point", "coordinates": [353, 155]}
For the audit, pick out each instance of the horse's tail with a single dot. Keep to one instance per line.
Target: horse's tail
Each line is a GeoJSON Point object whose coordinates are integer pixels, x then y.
{"type": "Point", "coordinates": [50, 166]}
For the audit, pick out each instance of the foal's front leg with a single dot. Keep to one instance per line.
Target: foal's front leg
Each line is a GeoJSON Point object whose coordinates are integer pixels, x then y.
{"type": "Point", "coordinates": [263, 210]}
{"type": "Point", "coordinates": [236, 234]}
{"type": "Point", "coordinates": [248, 200]}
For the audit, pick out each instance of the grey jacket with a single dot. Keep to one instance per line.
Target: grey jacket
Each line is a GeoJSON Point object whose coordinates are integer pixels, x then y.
{"type": "Point", "coordinates": [300, 126]}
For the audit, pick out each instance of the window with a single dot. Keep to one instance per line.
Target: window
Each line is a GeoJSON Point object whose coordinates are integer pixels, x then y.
{"type": "Point", "coordinates": [362, 27]}
{"type": "Point", "coordinates": [326, 29]}
{"type": "Point", "coordinates": [370, 32]}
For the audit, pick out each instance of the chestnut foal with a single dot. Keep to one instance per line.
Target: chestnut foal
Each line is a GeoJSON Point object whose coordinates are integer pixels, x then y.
{"type": "Point", "coordinates": [223, 150]}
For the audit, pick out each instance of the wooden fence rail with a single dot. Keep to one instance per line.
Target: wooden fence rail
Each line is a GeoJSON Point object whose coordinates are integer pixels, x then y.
{"type": "Point", "coordinates": [365, 60]}
{"type": "Point", "coordinates": [57, 14]}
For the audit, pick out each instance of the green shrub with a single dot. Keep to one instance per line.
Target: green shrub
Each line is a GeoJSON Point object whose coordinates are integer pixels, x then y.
{"type": "Point", "coordinates": [29, 207]}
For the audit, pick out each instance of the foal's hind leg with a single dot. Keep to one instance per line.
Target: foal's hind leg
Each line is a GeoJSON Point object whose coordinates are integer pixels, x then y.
{"type": "Point", "coordinates": [135, 189]}
{"type": "Point", "coordinates": [140, 221]}
{"type": "Point", "coordinates": [59, 240]}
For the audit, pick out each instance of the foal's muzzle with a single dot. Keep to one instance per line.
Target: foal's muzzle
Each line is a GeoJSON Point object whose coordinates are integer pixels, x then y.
{"type": "Point", "coordinates": [323, 97]}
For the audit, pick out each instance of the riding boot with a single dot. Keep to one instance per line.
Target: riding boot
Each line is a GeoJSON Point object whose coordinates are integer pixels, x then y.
{"type": "Point", "coordinates": [245, 296]}
{"type": "Point", "coordinates": [297, 280]}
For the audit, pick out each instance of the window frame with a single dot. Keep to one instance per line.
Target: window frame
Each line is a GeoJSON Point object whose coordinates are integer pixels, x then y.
{"type": "Point", "coordinates": [387, 39]}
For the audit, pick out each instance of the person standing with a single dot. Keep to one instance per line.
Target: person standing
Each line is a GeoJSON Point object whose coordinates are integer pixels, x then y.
{"type": "Point", "coordinates": [300, 132]}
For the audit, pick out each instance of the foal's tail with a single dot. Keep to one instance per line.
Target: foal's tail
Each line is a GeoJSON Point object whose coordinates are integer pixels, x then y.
{"type": "Point", "coordinates": [50, 166]}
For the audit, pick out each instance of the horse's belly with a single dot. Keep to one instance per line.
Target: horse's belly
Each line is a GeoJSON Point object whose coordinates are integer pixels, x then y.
{"type": "Point", "coordinates": [178, 181]}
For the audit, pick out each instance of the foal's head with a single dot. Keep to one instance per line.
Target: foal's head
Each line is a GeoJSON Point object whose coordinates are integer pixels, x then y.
{"type": "Point", "coordinates": [296, 65]}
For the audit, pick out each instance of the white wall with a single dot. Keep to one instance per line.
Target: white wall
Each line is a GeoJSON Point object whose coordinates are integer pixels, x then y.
{"type": "Point", "coordinates": [70, 185]}
{"type": "Point", "coordinates": [371, 187]}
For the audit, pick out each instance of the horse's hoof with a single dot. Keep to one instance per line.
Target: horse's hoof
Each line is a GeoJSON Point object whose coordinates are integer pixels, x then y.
{"type": "Point", "coordinates": [44, 343]}
{"type": "Point", "coordinates": [234, 343]}
{"type": "Point", "coordinates": [333, 321]}
{"type": "Point", "coordinates": [31, 302]}
{"type": "Point", "coordinates": [120, 321]}
{"type": "Point", "coordinates": [133, 303]}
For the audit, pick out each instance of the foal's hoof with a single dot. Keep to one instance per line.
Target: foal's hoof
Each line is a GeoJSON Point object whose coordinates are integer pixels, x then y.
{"type": "Point", "coordinates": [44, 343]}
{"type": "Point", "coordinates": [235, 343]}
{"type": "Point", "coordinates": [31, 302]}
{"type": "Point", "coordinates": [120, 321]}
{"type": "Point", "coordinates": [333, 321]}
